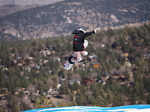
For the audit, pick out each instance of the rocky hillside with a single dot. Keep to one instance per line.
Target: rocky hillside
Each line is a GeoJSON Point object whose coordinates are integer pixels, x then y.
{"type": "Point", "coordinates": [7, 10]}
{"type": "Point", "coordinates": [62, 17]}
{"type": "Point", "coordinates": [27, 2]}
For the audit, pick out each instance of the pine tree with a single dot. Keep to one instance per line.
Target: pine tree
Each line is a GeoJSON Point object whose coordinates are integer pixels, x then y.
{"type": "Point", "coordinates": [2, 110]}
{"type": "Point", "coordinates": [63, 89]}
{"type": "Point", "coordinates": [15, 109]}
{"type": "Point", "coordinates": [91, 100]}
{"type": "Point", "coordinates": [80, 99]}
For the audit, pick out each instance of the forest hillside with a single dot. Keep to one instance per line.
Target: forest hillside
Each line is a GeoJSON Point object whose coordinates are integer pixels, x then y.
{"type": "Point", "coordinates": [115, 73]}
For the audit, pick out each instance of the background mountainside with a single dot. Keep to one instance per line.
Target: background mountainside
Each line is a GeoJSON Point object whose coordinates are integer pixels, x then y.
{"type": "Point", "coordinates": [62, 17]}
{"type": "Point", "coordinates": [27, 2]}
{"type": "Point", "coordinates": [12, 6]}
{"type": "Point", "coordinates": [10, 9]}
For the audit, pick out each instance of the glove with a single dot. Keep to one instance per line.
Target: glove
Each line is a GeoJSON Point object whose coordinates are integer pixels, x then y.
{"type": "Point", "coordinates": [97, 30]}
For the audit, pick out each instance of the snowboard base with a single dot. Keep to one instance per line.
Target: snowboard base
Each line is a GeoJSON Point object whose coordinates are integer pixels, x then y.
{"type": "Point", "coordinates": [67, 65]}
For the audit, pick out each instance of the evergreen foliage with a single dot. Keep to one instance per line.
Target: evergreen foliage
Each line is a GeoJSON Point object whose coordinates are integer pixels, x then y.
{"type": "Point", "coordinates": [17, 70]}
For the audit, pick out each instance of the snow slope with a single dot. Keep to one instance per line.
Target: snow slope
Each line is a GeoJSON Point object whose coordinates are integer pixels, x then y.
{"type": "Point", "coordinates": [129, 108]}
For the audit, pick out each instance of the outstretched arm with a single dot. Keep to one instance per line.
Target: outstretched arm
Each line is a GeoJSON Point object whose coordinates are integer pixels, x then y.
{"type": "Point", "coordinates": [92, 32]}
{"type": "Point", "coordinates": [88, 33]}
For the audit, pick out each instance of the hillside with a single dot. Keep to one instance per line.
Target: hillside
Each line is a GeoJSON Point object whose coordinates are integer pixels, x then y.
{"type": "Point", "coordinates": [27, 2]}
{"type": "Point", "coordinates": [63, 17]}
{"type": "Point", "coordinates": [12, 6]}
{"type": "Point", "coordinates": [115, 72]}
{"type": "Point", "coordinates": [10, 9]}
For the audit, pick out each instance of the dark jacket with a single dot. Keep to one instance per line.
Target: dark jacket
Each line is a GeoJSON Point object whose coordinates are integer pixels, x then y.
{"type": "Point", "coordinates": [79, 37]}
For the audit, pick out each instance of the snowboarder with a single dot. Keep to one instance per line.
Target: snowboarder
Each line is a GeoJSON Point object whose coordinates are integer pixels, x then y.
{"type": "Point", "coordinates": [79, 45]}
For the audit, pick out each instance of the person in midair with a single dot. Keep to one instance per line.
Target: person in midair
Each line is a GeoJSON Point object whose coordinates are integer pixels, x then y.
{"type": "Point", "coordinates": [79, 45]}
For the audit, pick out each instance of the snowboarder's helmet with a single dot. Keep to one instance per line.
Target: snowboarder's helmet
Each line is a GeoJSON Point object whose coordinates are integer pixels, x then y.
{"type": "Point", "coordinates": [81, 30]}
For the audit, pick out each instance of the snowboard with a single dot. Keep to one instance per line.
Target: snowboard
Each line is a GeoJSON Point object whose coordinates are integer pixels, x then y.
{"type": "Point", "coordinates": [68, 65]}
